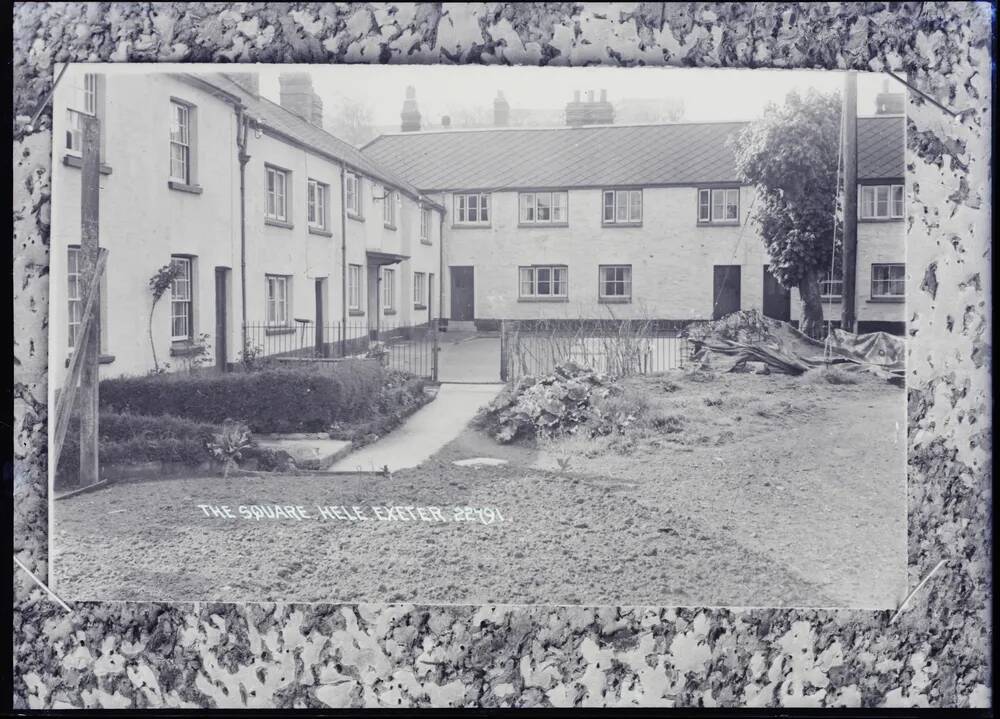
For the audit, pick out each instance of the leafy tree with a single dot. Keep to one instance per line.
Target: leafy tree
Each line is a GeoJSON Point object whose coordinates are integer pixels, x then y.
{"type": "Point", "coordinates": [352, 121]}
{"type": "Point", "coordinates": [790, 155]}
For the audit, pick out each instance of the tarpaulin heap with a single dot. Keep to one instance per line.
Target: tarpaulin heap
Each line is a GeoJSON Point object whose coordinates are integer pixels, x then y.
{"type": "Point", "coordinates": [748, 336]}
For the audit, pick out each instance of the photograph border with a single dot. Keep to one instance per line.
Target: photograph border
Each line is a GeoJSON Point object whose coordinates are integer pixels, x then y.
{"type": "Point", "coordinates": [934, 650]}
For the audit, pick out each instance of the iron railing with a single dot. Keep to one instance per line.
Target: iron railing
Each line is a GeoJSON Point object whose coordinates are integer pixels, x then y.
{"type": "Point", "coordinates": [621, 349]}
{"type": "Point", "coordinates": [400, 347]}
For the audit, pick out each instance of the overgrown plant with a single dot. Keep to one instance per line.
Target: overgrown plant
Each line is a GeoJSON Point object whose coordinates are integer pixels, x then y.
{"type": "Point", "coordinates": [228, 445]}
{"type": "Point", "coordinates": [159, 283]}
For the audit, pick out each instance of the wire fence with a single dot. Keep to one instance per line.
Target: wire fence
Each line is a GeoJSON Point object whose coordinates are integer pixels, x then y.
{"type": "Point", "coordinates": [619, 349]}
{"type": "Point", "coordinates": [399, 347]}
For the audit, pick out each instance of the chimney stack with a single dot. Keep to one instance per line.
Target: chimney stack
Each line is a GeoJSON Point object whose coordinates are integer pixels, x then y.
{"type": "Point", "coordinates": [297, 96]}
{"type": "Point", "coordinates": [445, 121]}
{"type": "Point", "coordinates": [591, 112]}
{"type": "Point", "coordinates": [249, 81]}
{"type": "Point", "coordinates": [501, 111]}
{"type": "Point", "coordinates": [410, 115]}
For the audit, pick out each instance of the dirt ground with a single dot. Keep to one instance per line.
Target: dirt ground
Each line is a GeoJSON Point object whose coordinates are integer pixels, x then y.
{"type": "Point", "coordinates": [767, 491]}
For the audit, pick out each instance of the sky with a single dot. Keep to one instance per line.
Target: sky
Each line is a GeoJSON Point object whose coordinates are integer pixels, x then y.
{"type": "Point", "coordinates": [707, 94]}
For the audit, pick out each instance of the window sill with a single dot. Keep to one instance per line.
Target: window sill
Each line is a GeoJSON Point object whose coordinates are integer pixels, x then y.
{"type": "Point", "coordinates": [387, 226]}
{"type": "Point", "coordinates": [356, 313]}
{"type": "Point", "coordinates": [101, 359]}
{"type": "Point", "coordinates": [541, 225]}
{"type": "Point", "coordinates": [543, 299]}
{"type": "Point", "coordinates": [388, 312]}
{"type": "Point", "coordinates": [831, 299]}
{"type": "Point", "coordinates": [182, 187]}
{"type": "Point", "coordinates": [614, 300]}
{"type": "Point", "coordinates": [353, 216]}
{"type": "Point", "coordinates": [184, 348]}
{"type": "Point", "coordinates": [425, 242]}
{"type": "Point", "coordinates": [721, 223]}
{"type": "Point", "coordinates": [887, 300]}
{"type": "Point", "coordinates": [76, 161]}
{"type": "Point", "coordinates": [278, 223]}
{"type": "Point", "coordinates": [621, 224]}
{"type": "Point", "coordinates": [881, 219]}
{"type": "Point", "coordinates": [278, 330]}
{"type": "Point", "coordinates": [419, 307]}
{"type": "Point", "coordinates": [320, 231]}
{"type": "Point", "coordinates": [469, 226]}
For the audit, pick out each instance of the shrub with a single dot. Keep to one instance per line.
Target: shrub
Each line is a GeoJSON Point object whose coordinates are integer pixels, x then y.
{"type": "Point", "coordinates": [130, 438]}
{"type": "Point", "coordinates": [287, 399]}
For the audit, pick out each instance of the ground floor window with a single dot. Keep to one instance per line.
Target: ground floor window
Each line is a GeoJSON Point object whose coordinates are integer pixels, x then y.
{"type": "Point", "coordinates": [831, 285]}
{"type": "Point", "coordinates": [544, 281]}
{"type": "Point", "coordinates": [181, 306]}
{"type": "Point", "coordinates": [354, 287]}
{"type": "Point", "coordinates": [889, 280]}
{"type": "Point", "coordinates": [277, 299]}
{"type": "Point", "coordinates": [73, 296]}
{"type": "Point", "coordinates": [419, 288]}
{"type": "Point", "coordinates": [615, 282]}
{"type": "Point", "coordinates": [388, 289]}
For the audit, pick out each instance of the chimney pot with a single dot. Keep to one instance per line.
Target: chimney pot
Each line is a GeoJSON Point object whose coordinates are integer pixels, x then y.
{"type": "Point", "coordinates": [501, 111]}
{"type": "Point", "coordinates": [297, 96]}
{"type": "Point", "coordinates": [445, 121]}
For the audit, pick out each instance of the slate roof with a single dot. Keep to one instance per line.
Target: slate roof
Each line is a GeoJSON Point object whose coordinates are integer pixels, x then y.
{"type": "Point", "coordinates": [678, 153]}
{"type": "Point", "coordinates": [276, 117]}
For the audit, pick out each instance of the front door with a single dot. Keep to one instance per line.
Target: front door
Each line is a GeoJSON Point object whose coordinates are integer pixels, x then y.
{"type": "Point", "coordinates": [725, 290]}
{"type": "Point", "coordinates": [321, 346]}
{"type": "Point", "coordinates": [373, 298]}
{"type": "Point", "coordinates": [462, 294]}
{"type": "Point", "coordinates": [221, 316]}
{"type": "Point", "coordinates": [777, 299]}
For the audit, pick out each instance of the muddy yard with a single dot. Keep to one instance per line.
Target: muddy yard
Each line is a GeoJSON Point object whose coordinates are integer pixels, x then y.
{"type": "Point", "coordinates": [762, 491]}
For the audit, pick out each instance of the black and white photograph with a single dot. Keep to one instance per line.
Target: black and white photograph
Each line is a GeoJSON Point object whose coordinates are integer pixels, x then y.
{"type": "Point", "coordinates": [577, 336]}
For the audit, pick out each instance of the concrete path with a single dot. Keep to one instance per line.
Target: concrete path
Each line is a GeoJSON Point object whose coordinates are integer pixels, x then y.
{"type": "Point", "coordinates": [425, 432]}
{"type": "Point", "coordinates": [471, 358]}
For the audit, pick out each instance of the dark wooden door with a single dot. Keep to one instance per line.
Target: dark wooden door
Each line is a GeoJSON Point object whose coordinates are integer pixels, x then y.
{"type": "Point", "coordinates": [777, 299]}
{"type": "Point", "coordinates": [321, 317]}
{"type": "Point", "coordinates": [725, 290]}
{"type": "Point", "coordinates": [221, 317]}
{"type": "Point", "coordinates": [462, 294]}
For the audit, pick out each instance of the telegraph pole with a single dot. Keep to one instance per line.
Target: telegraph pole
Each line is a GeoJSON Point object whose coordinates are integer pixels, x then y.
{"type": "Point", "coordinates": [90, 344]}
{"type": "Point", "coordinates": [850, 253]}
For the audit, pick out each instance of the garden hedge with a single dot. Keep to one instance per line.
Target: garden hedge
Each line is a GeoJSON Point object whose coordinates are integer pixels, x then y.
{"type": "Point", "coordinates": [130, 438]}
{"type": "Point", "coordinates": [282, 400]}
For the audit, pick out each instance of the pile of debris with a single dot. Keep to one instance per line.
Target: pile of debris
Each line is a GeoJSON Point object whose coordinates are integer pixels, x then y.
{"type": "Point", "coordinates": [547, 406]}
{"type": "Point", "coordinates": [748, 338]}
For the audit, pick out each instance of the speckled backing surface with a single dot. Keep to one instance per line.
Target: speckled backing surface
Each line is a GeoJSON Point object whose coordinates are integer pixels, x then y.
{"type": "Point", "coordinates": [937, 651]}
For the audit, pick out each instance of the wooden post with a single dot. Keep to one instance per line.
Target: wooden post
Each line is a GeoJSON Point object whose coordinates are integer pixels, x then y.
{"type": "Point", "coordinates": [90, 345]}
{"type": "Point", "coordinates": [850, 253]}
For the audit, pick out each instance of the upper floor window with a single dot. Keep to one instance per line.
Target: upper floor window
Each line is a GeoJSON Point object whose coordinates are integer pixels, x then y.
{"type": "Point", "coordinates": [881, 202]}
{"type": "Point", "coordinates": [540, 208]}
{"type": "Point", "coordinates": [472, 208]}
{"type": "Point", "coordinates": [352, 194]}
{"type": "Point", "coordinates": [180, 142]}
{"type": "Point", "coordinates": [316, 200]}
{"type": "Point", "coordinates": [181, 306]}
{"type": "Point", "coordinates": [83, 102]}
{"type": "Point", "coordinates": [425, 224]}
{"type": "Point", "coordinates": [889, 280]}
{"type": "Point", "coordinates": [719, 205]}
{"type": "Point", "coordinates": [543, 281]}
{"type": "Point", "coordinates": [277, 189]}
{"type": "Point", "coordinates": [277, 299]}
{"type": "Point", "coordinates": [388, 207]}
{"type": "Point", "coordinates": [622, 207]}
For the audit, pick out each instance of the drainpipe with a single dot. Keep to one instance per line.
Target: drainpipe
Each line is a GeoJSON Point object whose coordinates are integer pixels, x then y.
{"type": "Point", "coordinates": [244, 158]}
{"type": "Point", "coordinates": [343, 259]}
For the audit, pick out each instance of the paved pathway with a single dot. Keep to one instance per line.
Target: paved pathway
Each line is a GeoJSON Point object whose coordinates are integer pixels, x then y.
{"type": "Point", "coordinates": [425, 432]}
{"type": "Point", "coordinates": [469, 359]}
